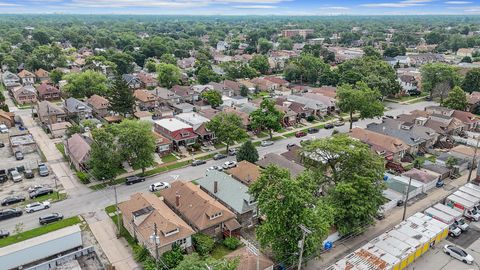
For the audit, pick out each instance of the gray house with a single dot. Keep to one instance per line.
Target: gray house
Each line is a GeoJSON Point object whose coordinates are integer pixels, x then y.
{"type": "Point", "coordinates": [231, 193]}
{"type": "Point", "coordinates": [78, 109]}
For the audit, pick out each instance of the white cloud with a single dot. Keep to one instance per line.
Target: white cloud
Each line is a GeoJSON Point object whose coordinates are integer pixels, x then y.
{"type": "Point", "coordinates": [401, 4]}
{"type": "Point", "coordinates": [335, 8]}
{"type": "Point", "coordinates": [255, 7]}
{"type": "Point", "coordinates": [2, 4]}
{"type": "Point", "coordinates": [458, 2]}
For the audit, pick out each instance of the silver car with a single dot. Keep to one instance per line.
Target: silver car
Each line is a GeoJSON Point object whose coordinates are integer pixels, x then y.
{"type": "Point", "coordinates": [16, 176]}
{"type": "Point", "coordinates": [37, 206]}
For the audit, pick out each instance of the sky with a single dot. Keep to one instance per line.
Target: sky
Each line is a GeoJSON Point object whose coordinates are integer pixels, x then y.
{"type": "Point", "coordinates": [244, 7]}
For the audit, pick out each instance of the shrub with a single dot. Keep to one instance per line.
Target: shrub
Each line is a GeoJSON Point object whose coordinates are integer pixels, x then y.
{"type": "Point", "coordinates": [231, 243]}
{"type": "Point", "coordinates": [141, 253]}
{"type": "Point", "coordinates": [84, 178]}
{"type": "Point", "coordinates": [310, 118]}
{"type": "Point", "coordinates": [173, 257]}
{"type": "Point", "coordinates": [335, 131]}
{"type": "Point", "coordinates": [203, 243]}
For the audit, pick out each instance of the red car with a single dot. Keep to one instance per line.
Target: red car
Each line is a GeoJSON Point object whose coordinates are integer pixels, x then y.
{"type": "Point", "coordinates": [300, 134]}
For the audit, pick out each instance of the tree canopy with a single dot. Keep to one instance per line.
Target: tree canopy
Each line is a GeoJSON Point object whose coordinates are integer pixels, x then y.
{"type": "Point", "coordinates": [266, 117]}
{"type": "Point", "coordinates": [168, 75]}
{"type": "Point", "coordinates": [456, 99]}
{"type": "Point", "coordinates": [247, 152]}
{"type": "Point", "coordinates": [227, 127]}
{"type": "Point", "coordinates": [439, 79]}
{"type": "Point", "coordinates": [472, 80]}
{"type": "Point", "coordinates": [86, 84]}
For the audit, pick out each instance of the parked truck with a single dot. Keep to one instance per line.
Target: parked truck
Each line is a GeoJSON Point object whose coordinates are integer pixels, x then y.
{"type": "Point", "coordinates": [470, 191]}
{"type": "Point", "coordinates": [472, 186]}
{"type": "Point", "coordinates": [458, 216]}
{"type": "Point", "coordinates": [466, 196]}
{"type": "Point", "coordinates": [453, 229]}
{"type": "Point", "coordinates": [466, 207]}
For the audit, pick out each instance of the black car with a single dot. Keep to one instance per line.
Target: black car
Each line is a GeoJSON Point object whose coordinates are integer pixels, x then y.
{"type": "Point", "coordinates": [28, 174]}
{"type": "Point", "coordinates": [50, 218]}
{"type": "Point", "coordinates": [40, 192]}
{"type": "Point", "coordinates": [313, 130]}
{"type": "Point", "coordinates": [134, 179]}
{"type": "Point", "coordinates": [12, 200]}
{"type": "Point", "coordinates": [198, 162]}
{"type": "Point", "coordinates": [2, 145]}
{"type": "Point", "coordinates": [10, 213]}
{"type": "Point", "coordinates": [329, 126]}
{"type": "Point", "coordinates": [4, 233]}
{"type": "Point", "coordinates": [18, 155]}
{"type": "Point", "coordinates": [219, 156]}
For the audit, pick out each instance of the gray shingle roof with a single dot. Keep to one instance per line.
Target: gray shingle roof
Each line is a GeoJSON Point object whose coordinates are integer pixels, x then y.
{"type": "Point", "coordinates": [413, 136]}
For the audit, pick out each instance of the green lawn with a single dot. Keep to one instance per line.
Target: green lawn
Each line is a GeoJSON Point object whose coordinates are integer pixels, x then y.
{"type": "Point", "coordinates": [39, 231]}
{"type": "Point", "coordinates": [169, 158]}
{"type": "Point", "coordinates": [288, 135]}
{"type": "Point", "coordinates": [407, 98]}
{"type": "Point", "coordinates": [257, 144]}
{"type": "Point", "coordinates": [54, 197]}
{"type": "Point", "coordinates": [262, 135]}
{"type": "Point", "coordinates": [220, 251]}
{"type": "Point", "coordinates": [277, 138]}
{"type": "Point", "coordinates": [123, 232]}
{"type": "Point", "coordinates": [61, 148]}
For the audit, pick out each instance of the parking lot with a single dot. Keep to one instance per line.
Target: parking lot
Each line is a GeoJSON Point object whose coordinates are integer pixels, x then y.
{"type": "Point", "coordinates": [435, 258]}
{"type": "Point", "coordinates": [30, 161]}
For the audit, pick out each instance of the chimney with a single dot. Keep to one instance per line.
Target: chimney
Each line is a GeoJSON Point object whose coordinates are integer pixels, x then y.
{"type": "Point", "coordinates": [177, 200]}
{"type": "Point", "coordinates": [215, 187]}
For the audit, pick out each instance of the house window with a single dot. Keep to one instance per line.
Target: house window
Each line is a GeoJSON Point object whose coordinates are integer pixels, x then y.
{"type": "Point", "coordinates": [185, 134]}
{"type": "Point", "coordinates": [172, 232]}
{"type": "Point", "coordinates": [182, 241]}
{"type": "Point", "coordinates": [214, 216]}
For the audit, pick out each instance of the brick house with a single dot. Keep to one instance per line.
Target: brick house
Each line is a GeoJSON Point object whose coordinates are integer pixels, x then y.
{"type": "Point", "coordinates": [232, 194]}
{"type": "Point", "coordinates": [49, 113]}
{"type": "Point", "coordinates": [7, 118]}
{"type": "Point", "coordinates": [180, 133]}
{"type": "Point", "coordinates": [147, 80]}
{"type": "Point", "coordinates": [27, 77]}
{"type": "Point", "coordinates": [78, 109]}
{"type": "Point", "coordinates": [163, 145]}
{"type": "Point", "coordinates": [142, 210]}
{"type": "Point", "coordinates": [389, 147]}
{"type": "Point", "coordinates": [202, 212]}
{"type": "Point", "coordinates": [77, 148]}
{"type": "Point", "coordinates": [146, 100]}
{"type": "Point", "coordinates": [24, 94]}
{"type": "Point", "coordinates": [48, 92]}
{"type": "Point", "coordinates": [99, 105]}
{"type": "Point", "coordinates": [42, 75]}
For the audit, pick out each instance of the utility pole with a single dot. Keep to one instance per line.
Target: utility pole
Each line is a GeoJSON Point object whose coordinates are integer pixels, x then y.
{"type": "Point", "coordinates": [118, 210]}
{"type": "Point", "coordinates": [406, 198]}
{"type": "Point", "coordinates": [301, 243]}
{"type": "Point", "coordinates": [156, 241]}
{"type": "Point", "coordinates": [473, 160]}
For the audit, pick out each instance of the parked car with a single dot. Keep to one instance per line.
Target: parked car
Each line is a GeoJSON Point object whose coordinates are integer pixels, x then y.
{"type": "Point", "coordinates": [43, 170]}
{"type": "Point", "coordinates": [18, 155]}
{"type": "Point", "coordinates": [338, 123]}
{"type": "Point", "coordinates": [458, 254]}
{"type": "Point", "coordinates": [300, 134]}
{"type": "Point", "coordinates": [2, 145]}
{"type": "Point", "coordinates": [36, 206]}
{"type": "Point", "coordinates": [266, 143]}
{"type": "Point", "coordinates": [229, 164]}
{"type": "Point", "coordinates": [33, 188]}
{"type": "Point", "coordinates": [4, 233]}
{"type": "Point", "coordinates": [215, 168]}
{"type": "Point", "coordinates": [134, 179]}
{"type": "Point", "coordinates": [40, 192]}
{"type": "Point", "coordinates": [12, 200]}
{"type": "Point", "coordinates": [232, 152]}
{"type": "Point", "coordinates": [219, 156]}
{"type": "Point", "coordinates": [50, 218]}
{"type": "Point", "coordinates": [158, 186]}
{"type": "Point", "coordinates": [3, 128]}
{"type": "Point", "coordinates": [329, 126]}
{"type": "Point", "coordinates": [28, 174]}
{"type": "Point", "coordinates": [16, 176]}
{"type": "Point", "coordinates": [3, 176]}
{"type": "Point", "coordinates": [10, 213]}
{"type": "Point", "coordinates": [198, 162]}
{"type": "Point", "coordinates": [439, 183]}
{"type": "Point", "coordinates": [313, 130]}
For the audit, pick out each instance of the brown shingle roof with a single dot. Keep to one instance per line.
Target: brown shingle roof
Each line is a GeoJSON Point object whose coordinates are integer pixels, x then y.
{"type": "Point", "coordinates": [154, 211]}
{"type": "Point", "coordinates": [195, 205]}
{"type": "Point", "coordinates": [420, 175]}
{"type": "Point", "coordinates": [377, 141]}
{"type": "Point", "coordinates": [245, 172]}
{"type": "Point", "coordinates": [280, 161]}
{"type": "Point", "coordinates": [41, 73]}
{"type": "Point", "coordinates": [144, 95]}
{"type": "Point", "coordinates": [473, 98]}
{"type": "Point", "coordinates": [78, 147]}
{"type": "Point", "coordinates": [47, 88]}
{"type": "Point", "coordinates": [98, 102]}
{"type": "Point", "coordinates": [26, 74]}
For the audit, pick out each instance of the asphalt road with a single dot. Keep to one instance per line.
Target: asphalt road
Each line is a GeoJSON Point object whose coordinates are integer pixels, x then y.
{"type": "Point", "coordinates": [92, 203]}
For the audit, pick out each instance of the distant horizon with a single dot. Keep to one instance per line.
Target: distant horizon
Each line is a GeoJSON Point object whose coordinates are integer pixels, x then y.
{"type": "Point", "coordinates": [242, 7]}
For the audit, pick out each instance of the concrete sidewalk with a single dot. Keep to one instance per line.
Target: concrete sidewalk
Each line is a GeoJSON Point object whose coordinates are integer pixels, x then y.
{"type": "Point", "coordinates": [392, 219]}
{"type": "Point", "coordinates": [117, 251]}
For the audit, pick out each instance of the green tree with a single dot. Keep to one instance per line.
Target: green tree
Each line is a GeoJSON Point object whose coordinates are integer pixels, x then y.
{"type": "Point", "coordinates": [168, 59]}
{"type": "Point", "coordinates": [46, 57]}
{"type": "Point", "coordinates": [168, 75]}
{"type": "Point", "coordinates": [247, 152]}
{"type": "Point", "coordinates": [472, 80]}
{"type": "Point", "coordinates": [41, 37]}
{"type": "Point", "coordinates": [287, 203]}
{"type": "Point", "coordinates": [360, 99]}
{"type": "Point", "coordinates": [227, 127]}
{"type": "Point", "coordinates": [86, 84]}
{"type": "Point", "coordinates": [213, 98]}
{"type": "Point", "coordinates": [306, 68]}
{"type": "Point", "coordinates": [10, 62]}
{"type": "Point", "coordinates": [173, 257]}
{"type": "Point", "coordinates": [285, 44]}
{"type": "Point", "coordinates": [150, 65]}
{"type": "Point", "coordinates": [203, 243]}
{"type": "Point", "coordinates": [438, 79]}
{"type": "Point", "coordinates": [457, 99]}
{"type": "Point", "coordinates": [264, 46]}
{"type": "Point", "coordinates": [136, 143]}
{"type": "Point", "coordinates": [243, 91]}
{"type": "Point", "coordinates": [369, 51]}
{"type": "Point", "coordinates": [266, 117]}
{"type": "Point", "coordinates": [351, 175]}
{"type": "Point", "coordinates": [206, 75]}
{"type": "Point", "coordinates": [466, 59]}
{"type": "Point", "coordinates": [196, 262]}
{"type": "Point", "coordinates": [260, 63]}
{"type": "Point", "coordinates": [121, 97]}
{"type": "Point", "coordinates": [74, 129]}
{"type": "Point", "coordinates": [56, 76]}
{"type": "Point", "coordinates": [123, 62]}
{"type": "Point", "coordinates": [104, 162]}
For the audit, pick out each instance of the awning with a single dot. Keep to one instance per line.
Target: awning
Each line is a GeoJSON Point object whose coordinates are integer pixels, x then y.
{"type": "Point", "coordinates": [232, 225]}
